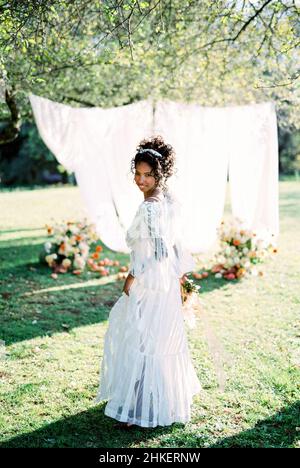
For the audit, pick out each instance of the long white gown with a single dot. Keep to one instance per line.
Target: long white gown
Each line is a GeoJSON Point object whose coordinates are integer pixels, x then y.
{"type": "Point", "coordinates": [146, 373]}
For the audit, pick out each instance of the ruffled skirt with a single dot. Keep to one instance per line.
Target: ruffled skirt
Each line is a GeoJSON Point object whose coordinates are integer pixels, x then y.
{"type": "Point", "coordinates": [146, 373]}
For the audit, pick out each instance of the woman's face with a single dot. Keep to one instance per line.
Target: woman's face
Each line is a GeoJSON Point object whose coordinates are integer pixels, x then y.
{"type": "Point", "coordinates": [143, 177]}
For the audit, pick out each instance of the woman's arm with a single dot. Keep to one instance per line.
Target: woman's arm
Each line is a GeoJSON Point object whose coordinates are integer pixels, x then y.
{"type": "Point", "coordinates": [128, 282]}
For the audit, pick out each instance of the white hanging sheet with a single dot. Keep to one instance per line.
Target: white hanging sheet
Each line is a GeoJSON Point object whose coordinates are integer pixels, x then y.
{"type": "Point", "coordinates": [253, 167]}
{"type": "Point", "coordinates": [98, 144]}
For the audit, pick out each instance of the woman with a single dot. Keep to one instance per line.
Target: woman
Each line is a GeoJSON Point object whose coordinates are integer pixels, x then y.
{"type": "Point", "coordinates": [146, 374]}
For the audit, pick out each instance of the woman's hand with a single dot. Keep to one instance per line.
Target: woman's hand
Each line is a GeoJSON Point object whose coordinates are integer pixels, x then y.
{"type": "Point", "coordinates": [183, 279]}
{"type": "Point", "coordinates": [128, 282]}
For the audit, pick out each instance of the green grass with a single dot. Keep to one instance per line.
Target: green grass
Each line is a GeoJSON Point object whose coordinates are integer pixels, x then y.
{"type": "Point", "coordinates": [244, 348]}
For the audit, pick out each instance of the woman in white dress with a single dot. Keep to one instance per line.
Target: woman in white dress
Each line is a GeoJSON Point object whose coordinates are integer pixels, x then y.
{"type": "Point", "coordinates": [146, 373]}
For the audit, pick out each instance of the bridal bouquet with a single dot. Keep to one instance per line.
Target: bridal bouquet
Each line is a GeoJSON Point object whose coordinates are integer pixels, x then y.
{"type": "Point", "coordinates": [190, 302]}
{"type": "Point", "coordinates": [240, 250]}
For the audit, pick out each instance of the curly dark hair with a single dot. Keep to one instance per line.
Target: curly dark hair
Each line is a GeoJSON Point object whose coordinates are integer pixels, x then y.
{"type": "Point", "coordinates": [163, 167]}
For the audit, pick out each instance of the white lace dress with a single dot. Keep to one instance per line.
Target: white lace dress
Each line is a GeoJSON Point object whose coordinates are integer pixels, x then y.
{"type": "Point", "coordinates": [146, 373]}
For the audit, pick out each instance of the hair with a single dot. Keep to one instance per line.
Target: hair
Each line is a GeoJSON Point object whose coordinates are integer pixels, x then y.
{"type": "Point", "coordinates": [163, 167]}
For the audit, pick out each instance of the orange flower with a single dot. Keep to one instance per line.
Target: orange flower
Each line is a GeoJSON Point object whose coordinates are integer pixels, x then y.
{"type": "Point", "coordinates": [216, 268]}
{"type": "Point", "coordinates": [197, 275]}
{"type": "Point", "coordinates": [95, 255]}
{"type": "Point", "coordinates": [240, 272]}
{"type": "Point", "coordinates": [236, 242]}
{"type": "Point", "coordinates": [99, 248]}
{"type": "Point", "coordinates": [79, 238]}
{"type": "Point", "coordinates": [62, 246]}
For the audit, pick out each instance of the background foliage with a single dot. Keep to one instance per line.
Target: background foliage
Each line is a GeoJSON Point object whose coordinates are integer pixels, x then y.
{"type": "Point", "coordinates": [108, 53]}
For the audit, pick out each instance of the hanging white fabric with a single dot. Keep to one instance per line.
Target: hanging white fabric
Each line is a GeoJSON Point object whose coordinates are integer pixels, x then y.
{"type": "Point", "coordinates": [98, 144]}
{"type": "Point", "coordinates": [207, 141]}
{"type": "Point", "coordinates": [253, 167]}
{"type": "Point", "coordinates": [198, 134]}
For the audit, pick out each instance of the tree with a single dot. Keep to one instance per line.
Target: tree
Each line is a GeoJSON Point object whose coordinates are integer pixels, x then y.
{"type": "Point", "coordinates": [109, 53]}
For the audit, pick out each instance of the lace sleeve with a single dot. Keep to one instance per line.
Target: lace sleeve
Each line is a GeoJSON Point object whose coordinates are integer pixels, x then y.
{"type": "Point", "coordinates": [151, 229]}
{"type": "Point", "coordinates": [151, 246]}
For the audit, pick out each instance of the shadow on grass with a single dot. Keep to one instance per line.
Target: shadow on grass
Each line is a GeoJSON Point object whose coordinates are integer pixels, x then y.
{"type": "Point", "coordinates": [9, 231]}
{"type": "Point", "coordinates": [91, 428]}
{"type": "Point", "coordinates": [70, 301]}
{"type": "Point", "coordinates": [52, 305]}
{"type": "Point", "coordinates": [278, 431]}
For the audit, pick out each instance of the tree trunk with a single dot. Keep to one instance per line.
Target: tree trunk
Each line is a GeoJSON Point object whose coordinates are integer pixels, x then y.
{"type": "Point", "coordinates": [12, 130]}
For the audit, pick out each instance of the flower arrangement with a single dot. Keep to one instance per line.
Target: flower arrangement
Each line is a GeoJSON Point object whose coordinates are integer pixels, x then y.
{"type": "Point", "coordinates": [240, 250]}
{"type": "Point", "coordinates": [102, 266]}
{"type": "Point", "coordinates": [69, 246]}
{"type": "Point", "coordinates": [190, 301]}
{"type": "Point", "coordinates": [70, 250]}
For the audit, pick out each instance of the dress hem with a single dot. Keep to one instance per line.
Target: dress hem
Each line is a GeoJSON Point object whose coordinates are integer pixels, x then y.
{"type": "Point", "coordinates": [144, 423]}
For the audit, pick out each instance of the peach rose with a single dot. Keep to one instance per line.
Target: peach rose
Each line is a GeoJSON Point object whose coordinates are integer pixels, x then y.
{"type": "Point", "coordinates": [197, 275]}
{"type": "Point", "coordinates": [229, 276]}
{"type": "Point", "coordinates": [104, 273]}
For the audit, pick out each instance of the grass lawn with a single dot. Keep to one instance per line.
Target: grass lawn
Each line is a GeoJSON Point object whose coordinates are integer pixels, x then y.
{"type": "Point", "coordinates": [244, 347]}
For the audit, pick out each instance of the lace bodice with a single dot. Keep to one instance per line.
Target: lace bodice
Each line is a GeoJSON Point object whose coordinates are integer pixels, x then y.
{"type": "Point", "coordinates": [155, 238]}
